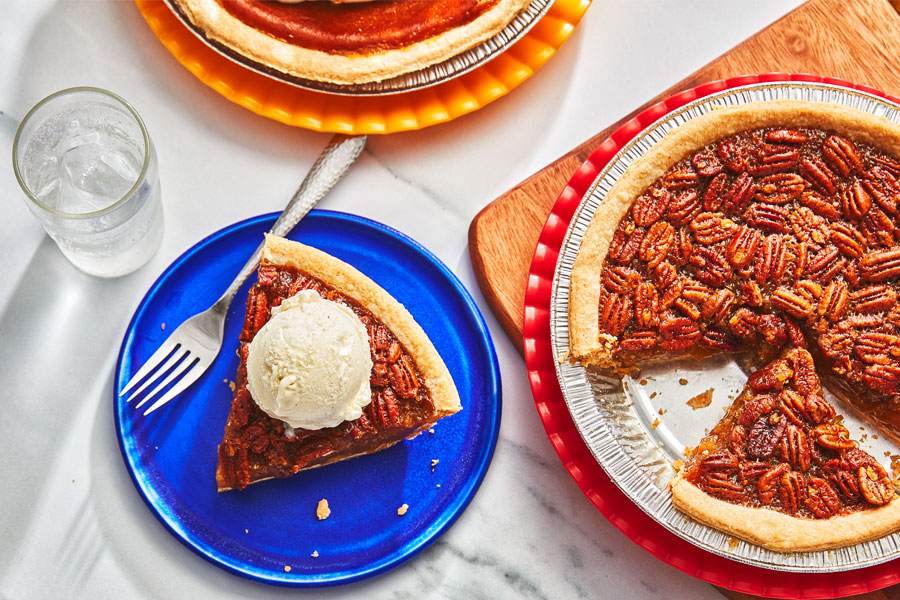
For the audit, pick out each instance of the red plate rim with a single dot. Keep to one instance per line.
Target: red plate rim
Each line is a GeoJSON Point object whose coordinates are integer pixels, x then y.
{"type": "Point", "coordinates": [575, 455]}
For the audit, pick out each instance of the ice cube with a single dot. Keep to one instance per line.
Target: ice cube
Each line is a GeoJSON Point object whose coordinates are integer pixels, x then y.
{"type": "Point", "coordinates": [103, 175]}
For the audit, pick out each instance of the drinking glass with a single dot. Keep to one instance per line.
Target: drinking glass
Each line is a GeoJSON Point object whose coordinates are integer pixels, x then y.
{"type": "Point", "coordinates": [88, 168]}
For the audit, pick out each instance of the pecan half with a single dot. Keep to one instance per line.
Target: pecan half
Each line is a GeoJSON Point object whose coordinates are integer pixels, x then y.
{"type": "Point", "coordinates": [771, 377]}
{"type": "Point", "coordinates": [873, 299]}
{"type": "Point", "coordinates": [792, 303]}
{"type": "Point", "coordinates": [780, 188]}
{"type": "Point", "coordinates": [834, 301]}
{"type": "Point", "coordinates": [678, 333]}
{"type": "Point", "coordinates": [819, 175]}
{"type": "Point", "coordinates": [770, 481]}
{"type": "Point", "coordinates": [646, 305]}
{"type": "Point", "coordinates": [883, 378]}
{"type": "Point", "coordinates": [826, 209]}
{"type": "Point", "coordinates": [710, 267]}
{"type": "Point", "coordinates": [684, 207]}
{"type": "Point", "coordinates": [712, 228]}
{"type": "Point", "coordinates": [856, 201]}
{"type": "Point", "coordinates": [715, 193]}
{"type": "Point", "coordinates": [765, 435]}
{"type": "Point", "coordinates": [821, 499]}
{"type": "Point", "coordinates": [883, 188]}
{"type": "Point", "coordinates": [875, 347]}
{"type": "Point", "coordinates": [767, 217]}
{"type": "Point", "coordinates": [793, 492]}
{"type": "Point", "coordinates": [848, 240]}
{"type": "Point", "coordinates": [616, 311]}
{"type": "Point", "coordinates": [833, 436]}
{"type": "Point", "coordinates": [742, 248]}
{"type": "Point", "coordinates": [875, 485]}
{"type": "Point", "coordinates": [656, 243]}
{"type": "Point", "coordinates": [795, 448]}
{"type": "Point", "coordinates": [649, 207]}
{"type": "Point", "coordinates": [620, 280]}
{"type": "Point", "coordinates": [737, 197]}
{"type": "Point", "coordinates": [403, 379]}
{"type": "Point", "coordinates": [842, 156]}
{"type": "Point", "coordinates": [880, 265]}
{"type": "Point", "coordinates": [707, 164]}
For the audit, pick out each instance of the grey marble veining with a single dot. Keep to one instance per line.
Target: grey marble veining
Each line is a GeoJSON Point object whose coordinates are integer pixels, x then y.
{"type": "Point", "coordinates": [72, 524]}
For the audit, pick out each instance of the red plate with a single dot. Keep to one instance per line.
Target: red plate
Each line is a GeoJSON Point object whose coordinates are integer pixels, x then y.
{"type": "Point", "coordinates": [567, 442]}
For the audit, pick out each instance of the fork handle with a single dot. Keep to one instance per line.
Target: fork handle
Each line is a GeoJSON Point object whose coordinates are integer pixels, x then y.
{"type": "Point", "coordinates": [329, 168]}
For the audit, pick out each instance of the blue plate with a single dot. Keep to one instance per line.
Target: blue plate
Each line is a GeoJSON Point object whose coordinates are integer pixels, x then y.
{"type": "Point", "coordinates": [270, 531]}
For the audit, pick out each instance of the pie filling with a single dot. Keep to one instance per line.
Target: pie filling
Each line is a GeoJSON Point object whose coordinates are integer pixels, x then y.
{"type": "Point", "coordinates": [256, 446]}
{"type": "Point", "coordinates": [781, 446]}
{"type": "Point", "coordinates": [366, 27]}
{"type": "Point", "coordinates": [761, 240]}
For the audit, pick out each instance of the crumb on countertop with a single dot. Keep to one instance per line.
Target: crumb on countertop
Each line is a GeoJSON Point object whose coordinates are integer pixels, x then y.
{"type": "Point", "coordinates": [287, 568]}
{"type": "Point", "coordinates": [315, 554]}
{"type": "Point", "coordinates": [655, 423]}
{"type": "Point", "coordinates": [431, 431]}
{"type": "Point", "coordinates": [162, 326]}
{"type": "Point", "coordinates": [434, 463]}
{"type": "Point", "coordinates": [677, 464]}
{"type": "Point", "coordinates": [402, 510]}
{"type": "Point", "coordinates": [322, 510]}
{"type": "Point", "coordinates": [701, 400]}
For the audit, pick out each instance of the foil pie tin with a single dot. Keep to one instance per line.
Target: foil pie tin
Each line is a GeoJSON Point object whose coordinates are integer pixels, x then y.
{"type": "Point", "coordinates": [638, 426]}
{"type": "Point", "coordinates": [423, 78]}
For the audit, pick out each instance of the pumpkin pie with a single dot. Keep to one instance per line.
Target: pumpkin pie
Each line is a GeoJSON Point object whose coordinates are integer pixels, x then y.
{"type": "Point", "coordinates": [351, 42]}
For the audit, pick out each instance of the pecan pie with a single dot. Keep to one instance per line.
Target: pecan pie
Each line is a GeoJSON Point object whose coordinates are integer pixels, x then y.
{"type": "Point", "coordinates": [349, 43]}
{"type": "Point", "coordinates": [781, 446]}
{"type": "Point", "coordinates": [410, 385]}
{"type": "Point", "coordinates": [758, 227]}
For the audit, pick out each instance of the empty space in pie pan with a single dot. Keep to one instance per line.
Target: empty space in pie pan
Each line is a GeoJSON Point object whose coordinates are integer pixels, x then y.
{"type": "Point", "coordinates": [638, 426]}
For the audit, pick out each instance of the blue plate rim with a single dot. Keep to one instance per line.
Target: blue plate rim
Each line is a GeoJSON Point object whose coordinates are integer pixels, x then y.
{"type": "Point", "coordinates": [466, 493]}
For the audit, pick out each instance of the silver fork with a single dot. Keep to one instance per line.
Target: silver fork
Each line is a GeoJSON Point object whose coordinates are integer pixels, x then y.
{"type": "Point", "coordinates": [192, 347]}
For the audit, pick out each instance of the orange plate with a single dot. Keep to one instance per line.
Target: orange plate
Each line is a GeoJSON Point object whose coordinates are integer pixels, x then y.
{"type": "Point", "coordinates": [365, 114]}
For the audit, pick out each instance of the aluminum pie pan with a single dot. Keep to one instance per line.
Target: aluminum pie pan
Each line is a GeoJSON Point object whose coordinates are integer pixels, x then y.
{"type": "Point", "coordinates": [429, 76]}
{"type": "Point", "coordinates": [636, 427]}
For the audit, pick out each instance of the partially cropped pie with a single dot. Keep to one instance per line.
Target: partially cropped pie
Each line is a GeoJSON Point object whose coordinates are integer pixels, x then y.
{"type": "Point", "coordinates": [331, 367]}
{"type": "Point", "coordinates": [349, 42]}
{"type": "Point", "coordinates": [760, 228]}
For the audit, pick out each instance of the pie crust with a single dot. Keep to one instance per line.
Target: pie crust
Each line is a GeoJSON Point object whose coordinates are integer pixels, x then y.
{"type": "Point", "coordinates": [778, 531]}
{"type": "Point", "coordinates": [357, 287]}
{"type": "Point", "coordinates": [221, 27]}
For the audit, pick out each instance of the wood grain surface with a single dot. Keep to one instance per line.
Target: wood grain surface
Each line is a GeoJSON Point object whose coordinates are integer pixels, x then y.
{"type": "Point", "coordinates": [857, 40]}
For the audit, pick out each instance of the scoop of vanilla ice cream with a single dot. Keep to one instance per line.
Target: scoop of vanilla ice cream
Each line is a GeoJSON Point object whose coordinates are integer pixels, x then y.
{"type": "Point", "coordinates": [309, 365]}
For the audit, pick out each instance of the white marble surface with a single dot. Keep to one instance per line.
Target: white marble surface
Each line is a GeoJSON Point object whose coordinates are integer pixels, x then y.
{"type": "Point", "coordinates": [71, 523]}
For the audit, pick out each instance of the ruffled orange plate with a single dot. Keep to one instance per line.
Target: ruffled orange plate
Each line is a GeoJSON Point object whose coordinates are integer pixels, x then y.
{"type": "Point", "coordinates": [366, 114]}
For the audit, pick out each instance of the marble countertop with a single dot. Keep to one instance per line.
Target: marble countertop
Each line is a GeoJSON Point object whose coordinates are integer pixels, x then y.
{"type": "Point", "coordinates": [73, 525]}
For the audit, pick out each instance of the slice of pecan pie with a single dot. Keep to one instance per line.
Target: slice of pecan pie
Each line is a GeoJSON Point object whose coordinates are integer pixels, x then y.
{"type": "Point", "coordinates": [410, 385]}
{"type": "Point", "coordinates": [757, 227]}
{"type": "Point", "coordinates": [781, 447]}
{"type": "Point", "coordinates": [349, 42]}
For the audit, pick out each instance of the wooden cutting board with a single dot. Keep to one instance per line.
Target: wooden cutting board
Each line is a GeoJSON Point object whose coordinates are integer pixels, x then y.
{"type": "Point", "coordinates": [857, 40]}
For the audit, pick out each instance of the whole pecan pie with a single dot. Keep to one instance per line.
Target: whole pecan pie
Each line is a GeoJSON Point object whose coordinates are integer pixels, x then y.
{"type": "Point", "coordinates": [349, 43]}
{"type": "Point", "coordinates": [410, 385]}
{"type": "Point", "coordinates": [759, 227]}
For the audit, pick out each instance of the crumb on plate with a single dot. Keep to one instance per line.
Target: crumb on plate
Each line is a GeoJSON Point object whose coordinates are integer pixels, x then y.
{"type": "Point", "coordinates": [701, 400]}
{"type": "Point", "coordinates": [402, 510]}
{"type": "Point", "coordinates": [322, 510]}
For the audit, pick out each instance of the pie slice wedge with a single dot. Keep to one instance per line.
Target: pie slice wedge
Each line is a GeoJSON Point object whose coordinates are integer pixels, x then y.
{"type": "Point", "coordinates": [411, 387]}
{"type": "Point", "coordinates": [781, 471]}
